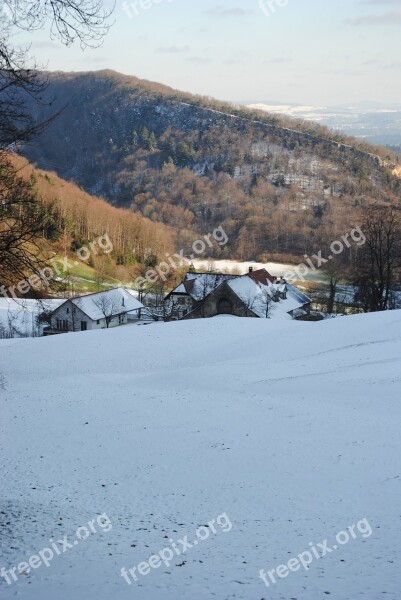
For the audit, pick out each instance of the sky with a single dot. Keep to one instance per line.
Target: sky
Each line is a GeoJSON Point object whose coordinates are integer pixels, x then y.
{"type": "Point", "coordinates": [308, 52]}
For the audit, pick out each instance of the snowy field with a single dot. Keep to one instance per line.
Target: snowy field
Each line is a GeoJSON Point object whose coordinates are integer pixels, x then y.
{"type": "Point", "coordinates": [275, 434]}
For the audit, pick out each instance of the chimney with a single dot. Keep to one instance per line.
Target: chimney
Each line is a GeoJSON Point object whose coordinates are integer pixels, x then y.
{"type": "Point", "coordinates": [251, 269]}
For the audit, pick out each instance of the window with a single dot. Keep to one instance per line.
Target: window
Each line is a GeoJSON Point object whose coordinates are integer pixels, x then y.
{"type": "Point", "coordinates": [62, 324]}
{"type": "Point", "coordinates": [182, 300]}
{"type": "Point", "coordinates": [97, 322]}
{"type": "Point", "coordinates": [68, 311]}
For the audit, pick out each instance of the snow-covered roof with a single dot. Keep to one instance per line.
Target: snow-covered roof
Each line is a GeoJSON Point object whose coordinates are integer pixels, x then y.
{"type": "Point", "coordinates": [297, 296]}
{"type": "Point", "coordinates": [108, 303]}
{"type": "Point", "coordinates": [255, 297]}
{"type": "Point", "coordinates": [258, 297]}
{"type": "Point", "coordinates": [200, 285]}
{"type": "Point", "coordinates": [180, 289]}
{"type": "Point", "coordinates": [255, 290]}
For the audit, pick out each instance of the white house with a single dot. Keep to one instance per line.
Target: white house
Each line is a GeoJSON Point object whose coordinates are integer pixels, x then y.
{"type": "Point", "coordinates": [98, 311]}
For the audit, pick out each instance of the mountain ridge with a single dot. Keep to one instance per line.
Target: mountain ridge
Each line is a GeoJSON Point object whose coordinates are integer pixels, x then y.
{"type": "Point", "coordinates": [194, 163]}
{"type": "Point", "coordinates": [237, 111]}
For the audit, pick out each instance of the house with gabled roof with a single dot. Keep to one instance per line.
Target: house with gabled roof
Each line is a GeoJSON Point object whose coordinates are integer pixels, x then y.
{"type": "Point", "coordinates": [256, 294]}
{"type": "Point", "coordinates": [192, 290]}
{"type": "Point", "coordinates": [102, 310]}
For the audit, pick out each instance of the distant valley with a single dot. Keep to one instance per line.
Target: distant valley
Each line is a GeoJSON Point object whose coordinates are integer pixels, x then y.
{"type": "Point", "coordinates": [376, 123]}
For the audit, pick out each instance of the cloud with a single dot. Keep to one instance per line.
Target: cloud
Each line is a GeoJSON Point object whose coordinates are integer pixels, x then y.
{"type": "Point", "coordinates": [97, 60]}
{"type": "Point", "coordinates": [277, 60]}
{"type": "Point", "coordinates": [232, 61]}
{"type": "Point", "coordinates": [395, 65]}
{"type": "Point", "coordinates": [172, 49]}
{"type": "Point", "coordinates": [200, 60]}
{"type": "Point", "coordinates": [391, 18]}
{"type": "Point", "coordinates": [46, 45]}
{"type": "Point", "coordinates": [222, 13]}
{"type": "Point", "coordinates": [382, 66]}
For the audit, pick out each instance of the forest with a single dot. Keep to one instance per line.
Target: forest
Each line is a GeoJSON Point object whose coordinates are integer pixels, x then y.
{"type": "Point", "coordinates": [43, 216]}
{"type": "Point", "coordinates": [277, 185]}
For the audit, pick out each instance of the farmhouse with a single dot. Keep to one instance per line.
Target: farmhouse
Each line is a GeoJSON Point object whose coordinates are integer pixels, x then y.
{"type": "Point", "coordinates": [193, 290]}
{"type": "Point", "coordinates": [256, 294]}
{"type": "Point", "coordinates": [98, 311]}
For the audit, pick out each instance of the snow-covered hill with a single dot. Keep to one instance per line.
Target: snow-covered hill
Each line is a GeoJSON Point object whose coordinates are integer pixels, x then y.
{"type": "Point", "coordinates": [277, 435]}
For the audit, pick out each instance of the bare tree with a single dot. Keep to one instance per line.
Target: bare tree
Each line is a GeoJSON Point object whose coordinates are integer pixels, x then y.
{"type": "Point", "coordinates": [18, 84]}
{"type": "Point", "coordinates": [21, 82]}
{"type": "Point", "coordinates": [22, 222]}
{"type": "Point", "coordinates": [378, 263]}
{"type": "Point", "coordinates": [109, 305]}
{"type": "Point", "coordinates": [44, 311]}
{"type": "Point", "coordinates": [170, 309]}
{"type": "Point", "coordinates": [207, 283]}
{"type": "Point", "coordinates": [249, 302]}
{"type": "Point", "coordinates": [334, 274]}
{"type": "Point", "coordinates": [70, 20]}
{"type": "Point", "coordinates": [100, 275]}
{"type": "Point", "coordinates": [21, 321]}
{"type": "Point", "coordinates": [22, 218]}
{"type": "Point", "coordinates": [266, 300]}
{"type": "Point", "coordinates": [258, 302]}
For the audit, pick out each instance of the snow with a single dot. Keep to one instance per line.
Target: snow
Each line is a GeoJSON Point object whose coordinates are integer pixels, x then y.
{"type": "Point", "coordinates": [292, 429]}
{"type": "Point", "coordinates": [116, 301]}
{"type": "Point", "coordinates": [296, 297]}
{"type": "Point", "coordinates": [18, 317]}
{"type": "Point", "coordinates": [205, 284]}
{"type": "Point", "coordinates": [256, 296]}
{"type": "Point", "coordinates": [285, 108]}
{"type": "Point", "coordinates": [180, 289]}
{"type": "Point", "coordinates": [200, 285]}
{"type": "Point", "coordinates": [240, 267]}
